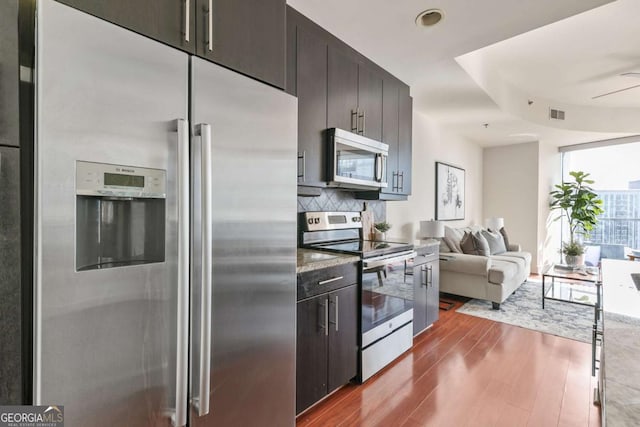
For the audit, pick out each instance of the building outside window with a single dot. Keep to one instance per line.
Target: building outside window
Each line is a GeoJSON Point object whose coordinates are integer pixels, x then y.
{"type": "Point", "coordinates": [616, 173]}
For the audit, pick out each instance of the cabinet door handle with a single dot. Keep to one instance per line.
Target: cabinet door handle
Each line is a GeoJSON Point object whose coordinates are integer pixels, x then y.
{"type": "Point", "coordinates": [333, 279]}
{"type": "Point", "coordinates": [187, 21]}
{"type": "Point", "coordinates": [210, 26]}
{"type": "Point", "coordinates": [430, 275]}
{"type": "Point", "coordinates": [335, 303]}
{"type": "Point", "coordinates": [401, 181]}
{"type": "Point", "coordinates": [593, 351]}
{"type": "Point", "coordinates": [423, 276]}
{"type": "Point", "coordinates": [303, 157]}
{"type": "Point", "coordinates": [326, 317]}
{"type": "Point", "coordinates": [361, 116]}
{"type": "Point", "coordinates": [354, 121]}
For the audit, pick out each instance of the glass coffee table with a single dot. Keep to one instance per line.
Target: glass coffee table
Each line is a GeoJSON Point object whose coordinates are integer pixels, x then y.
{"type": "Point", "coordinates": [572, 286]}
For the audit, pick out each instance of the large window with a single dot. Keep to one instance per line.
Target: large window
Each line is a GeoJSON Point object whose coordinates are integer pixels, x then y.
{"type": "Point", "coordinates": [616, 172]}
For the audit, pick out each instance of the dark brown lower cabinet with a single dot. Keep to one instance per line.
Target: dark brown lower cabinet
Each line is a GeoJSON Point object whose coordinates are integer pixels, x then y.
{"type": "Point", "coordinates": [426, 290]}
{"type": "Point", "coordinates": [327, 344]}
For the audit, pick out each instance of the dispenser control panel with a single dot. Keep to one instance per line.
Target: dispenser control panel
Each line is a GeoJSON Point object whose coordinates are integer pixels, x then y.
{"type": "Point", "coordinates": [102, 179]}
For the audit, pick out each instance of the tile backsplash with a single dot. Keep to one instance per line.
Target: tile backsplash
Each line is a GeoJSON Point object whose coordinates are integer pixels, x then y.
{"type": "Point", "coordinates": [340, 200]}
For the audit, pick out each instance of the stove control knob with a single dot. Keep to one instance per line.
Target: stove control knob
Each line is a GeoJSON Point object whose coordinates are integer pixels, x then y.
{"type": "Point", "coordinates": [310, 221]}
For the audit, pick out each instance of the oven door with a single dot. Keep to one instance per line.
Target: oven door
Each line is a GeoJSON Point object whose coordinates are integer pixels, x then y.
{"type": "Point", "coordinates": [387, 290]}
{"type": "Point", "coordinates": [357, 161]}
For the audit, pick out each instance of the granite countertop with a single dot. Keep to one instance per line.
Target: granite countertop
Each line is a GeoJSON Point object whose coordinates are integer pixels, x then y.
{"type": "Point", "coordinates": [621, 323]}
{"type": "Point", "coordinates": [309, 260]}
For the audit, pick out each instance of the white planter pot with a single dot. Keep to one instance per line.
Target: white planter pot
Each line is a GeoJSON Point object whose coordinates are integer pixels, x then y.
{"type": "Point", "coordinates": [574, 260]}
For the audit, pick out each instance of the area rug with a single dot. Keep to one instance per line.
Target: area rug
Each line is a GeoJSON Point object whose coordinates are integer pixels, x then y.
{"type": "Point", "coordinates": [524, 309]}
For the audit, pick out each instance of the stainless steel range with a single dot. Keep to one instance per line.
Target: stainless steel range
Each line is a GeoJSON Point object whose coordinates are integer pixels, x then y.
{"type": "Point", "coordinates": [386, 298]}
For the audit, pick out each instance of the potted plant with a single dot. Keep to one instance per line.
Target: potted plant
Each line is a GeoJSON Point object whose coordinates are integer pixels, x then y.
{"type": "Point", "coordinates": [581, 206]}
{"type": "Point", "coordinates": [381, 230]}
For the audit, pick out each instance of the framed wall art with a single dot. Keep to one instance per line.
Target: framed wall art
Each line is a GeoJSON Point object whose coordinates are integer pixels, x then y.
{"type": "Point", "coordinates": [449, 192]}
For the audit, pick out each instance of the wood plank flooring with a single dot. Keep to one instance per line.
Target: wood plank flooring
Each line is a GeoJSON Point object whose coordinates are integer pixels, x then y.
{"type": "Point", "coordinates": [468, 371]}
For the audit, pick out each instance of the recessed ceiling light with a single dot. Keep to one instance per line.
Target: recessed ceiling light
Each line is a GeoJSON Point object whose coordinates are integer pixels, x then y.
{"type": "Point", "coordinates": [429, 17]}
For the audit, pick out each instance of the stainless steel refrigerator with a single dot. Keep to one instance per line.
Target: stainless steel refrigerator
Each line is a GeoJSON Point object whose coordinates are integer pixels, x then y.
{"type": "Point", "coordinates": [165, 233]}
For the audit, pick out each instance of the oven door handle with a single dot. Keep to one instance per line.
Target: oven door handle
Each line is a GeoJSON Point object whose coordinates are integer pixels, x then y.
{"type": "Point", "coordinates": [385, 260]}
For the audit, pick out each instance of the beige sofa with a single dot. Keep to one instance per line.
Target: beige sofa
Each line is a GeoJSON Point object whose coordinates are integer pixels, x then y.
{"type": "Point", "coordinates": [492, 278]}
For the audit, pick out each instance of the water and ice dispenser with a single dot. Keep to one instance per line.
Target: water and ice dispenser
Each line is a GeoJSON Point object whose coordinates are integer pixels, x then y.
{"type": "Point", "coordinates": [120, 215]}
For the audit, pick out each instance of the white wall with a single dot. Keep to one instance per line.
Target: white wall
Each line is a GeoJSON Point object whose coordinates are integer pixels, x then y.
{"type": "Point", "coordinates": [517, 180]}
{"type": "Point", "coordinates": [510, 180]}
{"type": "Point", "coordinates": [550, 173]}
{"type": "Point", "coordinates": [431, 144]}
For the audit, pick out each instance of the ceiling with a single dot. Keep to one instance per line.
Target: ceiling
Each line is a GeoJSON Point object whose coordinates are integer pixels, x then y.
{"type": "Point", "coordinates": [491, 70]}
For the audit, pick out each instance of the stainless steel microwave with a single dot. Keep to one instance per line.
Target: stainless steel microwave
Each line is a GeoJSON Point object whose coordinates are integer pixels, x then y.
{"type": "Point", "coordinates": [356, 161]}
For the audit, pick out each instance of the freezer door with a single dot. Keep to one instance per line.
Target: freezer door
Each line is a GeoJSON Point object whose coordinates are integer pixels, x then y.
{"type": "Point", "coordinates": [105, 343]}
{"type": "Point", "coordinates": [10, 300]}
{"type": "Point", "coordinates": [251, 129]}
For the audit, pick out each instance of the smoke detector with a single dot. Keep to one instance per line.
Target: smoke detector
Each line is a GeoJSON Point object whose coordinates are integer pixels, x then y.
{"type": "Point", "coordinates": [429, 17]}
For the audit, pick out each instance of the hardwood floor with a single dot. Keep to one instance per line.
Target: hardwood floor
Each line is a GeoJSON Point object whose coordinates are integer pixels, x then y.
{"type": "Point", "coordinates": [468, 371]}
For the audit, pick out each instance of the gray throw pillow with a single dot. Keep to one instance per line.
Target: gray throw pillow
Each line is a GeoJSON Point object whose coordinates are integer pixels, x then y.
{"type": "Point", "coordinates": [467, 244]}
{"type": "Point", "coordinates": [505, 237]}
{"type": "Point", "coordinates": [455, 235]}
{"type": "Point", "coordinates": [495, 241]}
{"type": "Point", "coordinates": [451, 244]}
{"type": "Point", "coordinates": [474, 244]}
{"type": "Point", "coordinates": [481, 244]}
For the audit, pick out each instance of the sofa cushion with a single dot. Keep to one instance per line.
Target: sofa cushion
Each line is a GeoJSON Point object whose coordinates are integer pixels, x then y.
{"type": "Point", "coordinates": [519, 262]}
{"type": "Point", "coordinates": [502, 271]}
{"type": "Point", "coordinates": [525, 256]}
{"type": "Point", "coordinates": [455, 236]}
{"type": "Point", "coordinates": [463, 263]}
{"type": "Point", "coordinates": [475, 244]}
{"type": "Point", "coordinates": [495, 241]}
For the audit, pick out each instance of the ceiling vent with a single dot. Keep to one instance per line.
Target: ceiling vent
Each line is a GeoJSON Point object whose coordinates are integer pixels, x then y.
{"type": "Point", "coordinates": [556, 114]}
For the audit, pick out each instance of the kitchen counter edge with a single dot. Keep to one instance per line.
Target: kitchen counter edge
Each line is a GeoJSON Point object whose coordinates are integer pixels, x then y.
{"type": "Point", "coordinates": [310, 259]}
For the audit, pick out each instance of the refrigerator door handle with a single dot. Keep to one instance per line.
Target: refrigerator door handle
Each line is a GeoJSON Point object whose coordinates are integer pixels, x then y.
{"type": "Point", "coordinates": [179, 417]}
{"type": "Point", "coordinates": [204, 130]}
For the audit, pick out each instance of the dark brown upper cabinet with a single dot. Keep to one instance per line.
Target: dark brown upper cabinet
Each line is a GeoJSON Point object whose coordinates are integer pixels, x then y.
{"type": "Point", "coordinates": [405, 117]}
{"type": "Point", "coordinates": [396, 127]}
{"type": "Point", "coordinates": [342, 91]}
{"type": "Point", "coordinates": [169, 21]}
{"type": "Point", "coordinates": [390, 126]}
{"type": "Point", "coordinates": [370, 102]}
{"type": "Point", "coordinates": [307, 79]}
{"type": "Point", "coordinates": [338, 87]}
{"type": "Point", "coordinates": [247, 36]}
{"type": "Point", "coordinates": [354, 99]}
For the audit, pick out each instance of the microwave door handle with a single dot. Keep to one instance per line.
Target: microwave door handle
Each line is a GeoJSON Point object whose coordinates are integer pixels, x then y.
{"type": "Point", "coordinates": [378, 167]}
{"type": "Point", "coordinates": [206, 284]}
{"type": "Point", "coordinates": [179, 416]}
